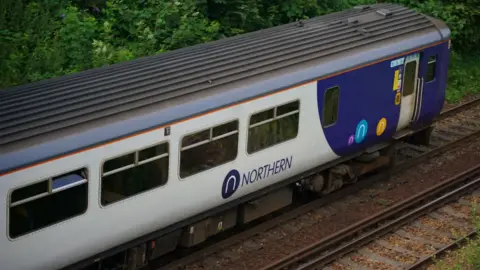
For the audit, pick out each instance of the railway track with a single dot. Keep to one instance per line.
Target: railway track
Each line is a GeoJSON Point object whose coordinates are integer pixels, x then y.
{"type": "Point", "coordinates": [429, 259]}
{"type": "Point", "coordinates": [420, 219]}
{"type": "Point", "coordinates": [447, 134]}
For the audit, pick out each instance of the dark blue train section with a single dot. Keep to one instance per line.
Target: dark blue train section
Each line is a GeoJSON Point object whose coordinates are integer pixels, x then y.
{"type": "Point", "coordinates": [369, 99]}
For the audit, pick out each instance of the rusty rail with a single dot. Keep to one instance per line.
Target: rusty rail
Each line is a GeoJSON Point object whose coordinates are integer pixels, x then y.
{"type": "Point", "coordinates": [452, 246]}
{"type": "Point", "coordinates": [312, 256]}
{"type": "Point", "coordinates": [452, 111]}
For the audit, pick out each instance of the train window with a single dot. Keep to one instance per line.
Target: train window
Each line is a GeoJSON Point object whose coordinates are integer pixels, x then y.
{"type": "Point", "coordinates": [432, 62]}
{"type": "Point", "coordinates": [273, 126]}
{"type": "Point", "coordinates": [262, 116]}
{"type": "Point", "coordinates": [152, 152]}
{"type": "Point", "coordinates": [48, 202]}
{"type": "Point", "coordinates": [409, 79]}
{"type": "Point", "coordinates": [330, 106]}
{"type": "Point", "coordinates": [134, 173]}
{"type": "Point", "coordinates": [29, 191]}
{"type": "Point", "coordinates": [208, 148]}
{"type": "Point", "coordinates": [119, 163]}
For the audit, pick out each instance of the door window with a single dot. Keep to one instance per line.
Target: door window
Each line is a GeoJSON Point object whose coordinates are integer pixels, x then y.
{"type": "Point", "coordinates": [409, 79]}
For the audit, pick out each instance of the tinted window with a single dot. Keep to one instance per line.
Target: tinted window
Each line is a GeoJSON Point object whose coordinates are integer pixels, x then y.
{"type": "Point", "coordinates": [48, 202]}
{"type": "Point", "coordinates": [199, 137]}
{"type": "Point", "coordinates": [432, 62]}
{"type": "Point", "coordinates": [262, 116]}
{"type": "Point", "coordinates": [273, 126]}
{"type": "Point", "coordinates": [119, 162]}
{"type": "Point", "coordinates": [288, 108]}
{"type": "Point", "coordinates": [330, 106]}
{"type": "Point", "coordinates": [208, 148]}
{"type": "Point", "coordinates": [152, 152]}
{"type": "Point", "coordinates": [122, 179]}
{"type": "Point", "coordinates": [409, 78]}
{"type": "Point", "coordinates": [29, 191]}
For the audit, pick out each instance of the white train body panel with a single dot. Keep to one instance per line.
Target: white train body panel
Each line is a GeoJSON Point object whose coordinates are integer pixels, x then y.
{"type": "Point", "coordinates": [103, 227]}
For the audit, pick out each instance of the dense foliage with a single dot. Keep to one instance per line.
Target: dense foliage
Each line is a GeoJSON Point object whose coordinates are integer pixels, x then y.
{"type": "Point", "coordinates": [41, 39]}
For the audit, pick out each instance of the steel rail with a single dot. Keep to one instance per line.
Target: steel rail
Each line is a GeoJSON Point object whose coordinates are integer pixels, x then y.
{"type": "Point", "coordinates": [459, 108]}
{"type": "Point", "coordinates": [452, 246]}
{"type": "Point", "coordinates": [311, 257]}
{"type": "Point", "coordinates": [436, 151]}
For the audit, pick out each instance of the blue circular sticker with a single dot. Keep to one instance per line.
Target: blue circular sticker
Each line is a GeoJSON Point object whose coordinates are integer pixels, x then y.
{"type": "Point", "coordinates": [361, 131]}
{"type": "Point", "coordinates": [230, 183]}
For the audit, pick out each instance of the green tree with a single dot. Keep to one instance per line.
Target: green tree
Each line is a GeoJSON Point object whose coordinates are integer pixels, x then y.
{"type": "Point", "coordinates": [41, 39]}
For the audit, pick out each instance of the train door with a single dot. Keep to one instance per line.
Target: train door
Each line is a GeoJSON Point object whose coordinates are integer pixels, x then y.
{"type": "Point", "coordinates": [409, 92]}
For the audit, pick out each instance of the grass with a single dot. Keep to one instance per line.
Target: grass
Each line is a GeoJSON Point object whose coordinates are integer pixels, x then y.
{"type": "Point", "coordinates": [467, 257]}
{"type": "Point", "coordinates": [463, 76]}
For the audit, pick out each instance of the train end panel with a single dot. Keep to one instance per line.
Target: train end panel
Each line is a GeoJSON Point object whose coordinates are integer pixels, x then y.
{"type": "Point", "coordinates": [363, 107]}
{"type": "Point", "coordinates": [358, 108]}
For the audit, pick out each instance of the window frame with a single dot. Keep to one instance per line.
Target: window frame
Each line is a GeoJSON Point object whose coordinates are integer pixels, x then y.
{"type": "Point", "coordinates": [131, 166]}
{"type": "Point", "coordinates": [85, 169]}
{"type": "Point", "coordinates": [434, 68]}
{"type": "Point", "coordinates": [323, 105]}
{"type": "Point", "coordinates": [274, 107]}
{"type": "Point", "coordinates": [210, 128]}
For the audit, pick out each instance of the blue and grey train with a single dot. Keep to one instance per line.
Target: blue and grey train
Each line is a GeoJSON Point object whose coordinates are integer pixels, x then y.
{"type": "Point", "coordinates": [128, 162]}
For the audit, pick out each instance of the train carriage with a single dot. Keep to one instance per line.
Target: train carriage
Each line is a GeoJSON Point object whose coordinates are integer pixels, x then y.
{"type": "Point", "coordinates": [165, 151]}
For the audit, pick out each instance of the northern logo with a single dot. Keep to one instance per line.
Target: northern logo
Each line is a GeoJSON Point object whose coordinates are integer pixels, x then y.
{"type": "Point", "coordinates": [231, 182]}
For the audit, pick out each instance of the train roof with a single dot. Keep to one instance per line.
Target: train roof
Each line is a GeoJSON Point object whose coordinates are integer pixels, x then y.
{"type": "Point", "coordinates": [58, 116]}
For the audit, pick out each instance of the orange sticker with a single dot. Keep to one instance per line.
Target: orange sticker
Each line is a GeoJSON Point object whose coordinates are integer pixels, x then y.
{"type": "Point", "coordinates": [397, 98]}
{"type": "Point", "coordinates": [381, 126]}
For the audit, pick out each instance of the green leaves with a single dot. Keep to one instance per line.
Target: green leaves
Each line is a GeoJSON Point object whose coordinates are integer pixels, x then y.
{"type": "Point", "coordinates": [40, 39]}
{"type": "Point", "coordinates": [463, 75]}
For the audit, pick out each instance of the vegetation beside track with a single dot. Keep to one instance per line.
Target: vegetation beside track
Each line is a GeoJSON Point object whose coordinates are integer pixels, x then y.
{"type": "Point", "coordinates": [464, 74]}
{"type": "Point", "coordinates": [467, 256]}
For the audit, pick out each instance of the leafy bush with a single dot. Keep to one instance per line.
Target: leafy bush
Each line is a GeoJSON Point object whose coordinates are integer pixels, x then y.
{"type": "Point", "coordinates": [463, 76]}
